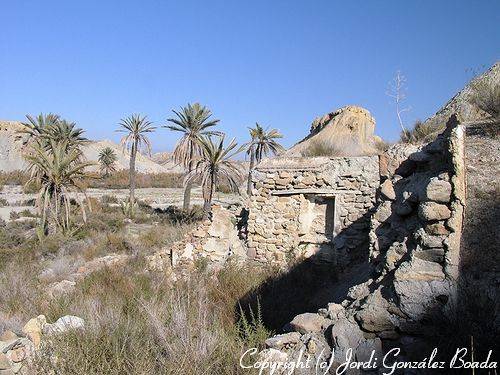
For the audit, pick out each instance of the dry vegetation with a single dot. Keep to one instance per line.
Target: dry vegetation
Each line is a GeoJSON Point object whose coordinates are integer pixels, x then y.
{"type": "Point", "coordinates": [136, 321]}
{"type": "Point", "coordinates": [319, 148]}
{"type": "Point", "coordinates": [421, 133]}
{"type": "Point", "coordinates": [115, 180]}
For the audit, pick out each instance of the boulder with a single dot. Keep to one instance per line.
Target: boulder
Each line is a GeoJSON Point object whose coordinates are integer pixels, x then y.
{"type": "Point", "coordinates": [61, 288]}
{"type": "Point", "coordinates": [431, 255]}
{"type": "Point", "coordinates": [387, 190]}
{"type": "Point", "coordinates": [4, 362]}
{"type": "Point", "coordinates": [272, 356]}
{"type": "Point", "coordinates": [428, 240]}
{"type": "Point", "coordinates": [437, 229]}
{"type": "Point", "coordinates": [33, 329]}
{"type": "Point", "coordinates": [383, 212]}
{"type": "Point", "coordinates": [359, 291]}
{"type": "Point", "coordinates": [7, 336]}
{"type": "Point", "coordinates": [430, 211]}
{"type": "Point", "coordinates": [395, 160]}
{"type": "Point", "coordinates": [335, 311]}
{"type": "Point", "coordinates": [308, 322]}
{"type": "Point", "coordinates": [438, 191]}
{"type": "Point", "coordinates": [64, 324]}
{"type": "Point", "coordinates": [420, 298]}
{"type": "Point", "coordinates": [284, 340]}
{"type": "Point", "coordinates": [419, 270]}
{"type": "Point", "coordinates": [373, 315]}
{"type": "Point", "coordinates": [371, 348]}
{"type": "Point", "coordinates": [344, 335]}
{"type": "Point", "coordinates": [420, 157]}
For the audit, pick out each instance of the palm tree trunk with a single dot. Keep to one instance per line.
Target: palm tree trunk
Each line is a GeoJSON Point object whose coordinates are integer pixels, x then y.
{"type": "Point", "coordinates": [189, 185]}
{"type": "Point", "coordinates": [133, 155]}
{"type": "Point", "coordinates": [249, 182]}
{"type": "Point", "coordinates": [207, 204]}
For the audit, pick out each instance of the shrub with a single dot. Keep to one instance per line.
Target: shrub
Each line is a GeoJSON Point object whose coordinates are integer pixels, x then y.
{"type": "Point", "coordinates": [120, 180]}
{"type": "Point", "coordinates": [421, 133]}
{"type": "Point", "coordinates": [139, 323]}
{"type": "Point", "coordinates": [3, 202]}
{"type": "Point", "coordinates": [487, 98]}
{"type": "Point", "coordinates": [175, 215]}
{"type": "Point", "coordinates": [13, 178]}
{"type": "Point", "coordinates": [320, 148]}
{"type": "Point", "coordinates": [107, 199]}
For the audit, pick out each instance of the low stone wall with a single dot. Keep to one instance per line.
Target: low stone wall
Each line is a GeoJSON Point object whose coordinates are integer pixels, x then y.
{"type": "Point", "coordinates": [311, 206]}
{"type": "Point", "coordinates": [213, 239]}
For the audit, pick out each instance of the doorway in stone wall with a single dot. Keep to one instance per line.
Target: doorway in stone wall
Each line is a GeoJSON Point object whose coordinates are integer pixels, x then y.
{"type": "Point", "coordinates": [318, 225]}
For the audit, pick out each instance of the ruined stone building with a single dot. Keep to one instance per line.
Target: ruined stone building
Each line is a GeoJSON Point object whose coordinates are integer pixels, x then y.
{"type": "Point", "coordinates": [303, 205]}
{"type": "Point", "coordinates": [401, 214]}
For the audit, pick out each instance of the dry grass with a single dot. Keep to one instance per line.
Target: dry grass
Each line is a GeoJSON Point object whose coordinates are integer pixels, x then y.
{"type": "Point", "coordinates": [120, 180]}
{"type": "Point", "coordinates": [116, 180]}
{"type": "Point", "coordinates": [319, 148]}
{"type": "Point", "coordinates": [487, 98]}
{"type": "Point", "coordinates": [140, 323]}
{"type": "Point", "coordinates": [421, 133]}
{"type": "Point", "coordinates": [136, 322]}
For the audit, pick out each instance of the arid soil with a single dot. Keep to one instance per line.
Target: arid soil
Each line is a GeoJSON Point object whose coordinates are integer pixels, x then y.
{"type": "Point", "coordinates": [155, 197]}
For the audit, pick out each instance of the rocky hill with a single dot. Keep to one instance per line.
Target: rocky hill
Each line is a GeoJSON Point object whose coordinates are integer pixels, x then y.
{"type": "Point", "coordinates": [347, 131]}
{"type": "Point", "coordinates": [463, 104]}
{"type": "Point", "coordinates": [11, 145]}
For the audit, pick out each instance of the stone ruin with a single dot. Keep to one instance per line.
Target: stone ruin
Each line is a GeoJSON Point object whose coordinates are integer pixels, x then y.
{"type": "Point", "coordinates": [399, 214]}
{"type": "Point", "coordinates": [414, 247]}
{"type": "Point", "coordinates": [300, 207]}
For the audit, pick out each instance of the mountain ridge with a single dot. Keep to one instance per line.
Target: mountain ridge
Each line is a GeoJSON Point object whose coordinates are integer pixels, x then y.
{"type": "Point", "coordinates": [11, 144]}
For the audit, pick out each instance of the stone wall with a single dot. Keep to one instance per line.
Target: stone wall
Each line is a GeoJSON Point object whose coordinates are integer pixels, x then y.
{"type": "Point", "coordinates": [214, 240]}
{"type": "Point", "coordinates": [415, 236]}
{"type": "Point", "coordinates": [311, 206]}
{"type": "Point", "coordinates": [416, 228]}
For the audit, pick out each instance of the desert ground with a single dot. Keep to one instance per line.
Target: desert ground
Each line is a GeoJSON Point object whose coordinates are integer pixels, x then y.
{"type": "Point", "coordinates": [18, 201]}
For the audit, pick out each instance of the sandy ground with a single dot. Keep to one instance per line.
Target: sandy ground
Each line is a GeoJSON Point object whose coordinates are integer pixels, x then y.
{"type": "Point", "coordinates": [155, 197]}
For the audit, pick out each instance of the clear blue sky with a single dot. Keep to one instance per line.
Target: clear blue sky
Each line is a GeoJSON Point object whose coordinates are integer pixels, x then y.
{"type": "Point", "coordinates": [278, 62]}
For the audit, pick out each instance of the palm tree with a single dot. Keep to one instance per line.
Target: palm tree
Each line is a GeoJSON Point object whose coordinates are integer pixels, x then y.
{"type": "Point", "coordinates": [262, 143]}
{"type": "Point", "coordinates": [107, 158]}
{"type": "Point", "coordinates": [193, 122]}
{"type": "Point", "coordinates": [136, 129]}
{"type": "Point", "coordinates": [57, 172]}
{"type": "Point", "coordinates": [51, 127]}
{"type": "Point", "coordinates": [36, 126]}
{"type": "Point", "coordinates": [213, 167]}
{"type": "Point", "coordinates": [66, 132]}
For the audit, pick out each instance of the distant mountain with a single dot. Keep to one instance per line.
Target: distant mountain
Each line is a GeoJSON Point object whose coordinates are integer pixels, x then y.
{"type": "Point", "coordinates": [11, 145]}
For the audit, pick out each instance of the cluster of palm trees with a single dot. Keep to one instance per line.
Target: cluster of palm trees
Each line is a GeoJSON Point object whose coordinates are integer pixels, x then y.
{"type": "Point", "coordinates": [201, 150]}
{"type": "Point", "coordinates": [57, 165]}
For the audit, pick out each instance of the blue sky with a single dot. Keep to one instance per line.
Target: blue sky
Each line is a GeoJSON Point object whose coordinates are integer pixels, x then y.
{"type": "Point", "coordinates": [280, 63]}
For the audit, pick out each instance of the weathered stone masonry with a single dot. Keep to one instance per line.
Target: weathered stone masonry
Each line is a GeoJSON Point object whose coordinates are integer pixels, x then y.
{"type": "Point", "coordinates": [315, 206]}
